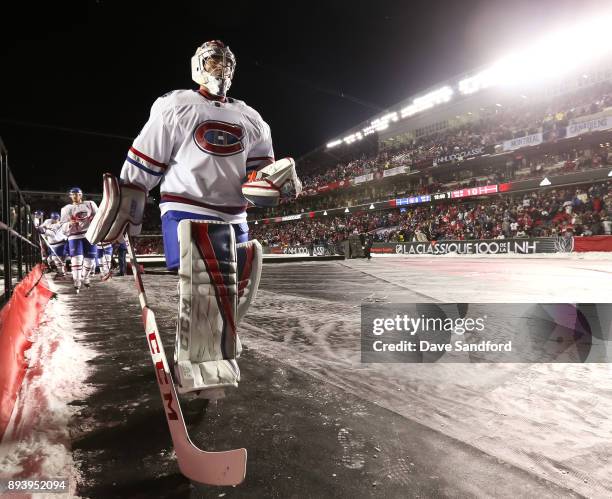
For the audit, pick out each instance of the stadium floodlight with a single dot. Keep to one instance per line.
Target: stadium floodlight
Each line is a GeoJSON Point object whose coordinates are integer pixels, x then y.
{"type": "Point", "coordinates": [334, 143]}
{"type": "Point", "coordinates": [545, 182]}
{"type": "Point", "coordinates": [383, 125]}
{"type": "Point", "coordinates": [386, 117]}
{"type": "Point", "coordinates": [349, 139]}
{"type": "Point", "coordinates": [368, 130]}
{"type": "Point", "coordinates": [551, 56]}
{"type": "Point", "coordinates": [427, 101]}
{"type": "Point", "coordinates": [479, 81]}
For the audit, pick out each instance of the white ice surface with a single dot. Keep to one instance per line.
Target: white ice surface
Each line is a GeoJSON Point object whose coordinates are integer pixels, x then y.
{"type": "Point", "coordinates": [550, 419]}
{"type": "Point", "coordinates": [37, 440]}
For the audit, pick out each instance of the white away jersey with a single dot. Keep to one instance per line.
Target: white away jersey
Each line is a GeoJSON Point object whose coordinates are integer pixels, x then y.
{"type": "Point", "coordinates": [53, 231]}
{"type": "Point", "coordinates": [201, 148]}
{"type": "Point", "coordinates": [76, 218]}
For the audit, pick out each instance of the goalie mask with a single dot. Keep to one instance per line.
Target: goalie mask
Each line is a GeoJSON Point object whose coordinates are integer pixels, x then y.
{"type": "Point", "coordinates": [212, 66]}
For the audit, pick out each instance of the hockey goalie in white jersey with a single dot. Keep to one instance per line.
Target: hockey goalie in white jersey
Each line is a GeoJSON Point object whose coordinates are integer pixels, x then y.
{"type": "Point", "coordinates": [212, 154]}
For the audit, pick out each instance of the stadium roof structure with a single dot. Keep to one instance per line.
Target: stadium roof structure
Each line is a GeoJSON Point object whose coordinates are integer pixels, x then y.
{"type": "Point", "coordinates": [560, 62]}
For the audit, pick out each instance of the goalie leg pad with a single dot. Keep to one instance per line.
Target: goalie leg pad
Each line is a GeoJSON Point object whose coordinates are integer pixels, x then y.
{"type": "Point", "coordinates": [122, 206]}
{"type": "Point", "coordinates": [170, 221]}
{"type": "Point", "coordinates": [208, 299]}
{"type": "Point", "coordinates": [250, 261]}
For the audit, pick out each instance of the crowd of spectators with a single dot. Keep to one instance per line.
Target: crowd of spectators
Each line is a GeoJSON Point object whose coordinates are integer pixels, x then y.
{"type": "Point", "coordinates": [148, 245]}
{"type": "Point", "coordinates": [344, 171]}
{"type": "Point", "coordinates": [580, 211]}
{"type": "Point", "coordinates": [492, 128]}
{"type": "Point", "coordinates": [517, 168]}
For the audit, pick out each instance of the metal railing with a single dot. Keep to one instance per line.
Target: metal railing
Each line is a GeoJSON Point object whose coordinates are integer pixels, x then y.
{"type": "Point", "coordinates": [19, 242]}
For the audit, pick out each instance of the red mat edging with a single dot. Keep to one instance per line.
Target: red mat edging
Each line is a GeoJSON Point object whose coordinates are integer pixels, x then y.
{"type": "Point", "coordinates": [18, 318]}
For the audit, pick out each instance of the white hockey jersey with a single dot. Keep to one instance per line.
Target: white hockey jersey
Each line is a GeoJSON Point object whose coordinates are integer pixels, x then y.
{"type": "Point", "coordinates": [201, 148]}
{"type": "Point", "coordinates": [75, 218]}
{"type": "Point", "coordinates": [54, 232]}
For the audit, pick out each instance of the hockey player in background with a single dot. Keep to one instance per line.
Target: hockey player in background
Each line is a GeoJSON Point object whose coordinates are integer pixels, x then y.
{"type": "Point", "coordinates": [211, 153]}
{"type": "Point", "coordinates": [121, 250]}
{"type": "Point", "coordinates": [105, 258]}
{"type": "Point", "coordinates": [52, 232]}
{"type": "Point", "coordinates": [39, 217]}
{"type": "Point", "coordinates": [76, 218]}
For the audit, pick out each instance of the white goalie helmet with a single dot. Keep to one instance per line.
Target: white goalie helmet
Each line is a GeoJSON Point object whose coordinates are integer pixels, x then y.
{"type": "Point", "coordinates": [212, 66]}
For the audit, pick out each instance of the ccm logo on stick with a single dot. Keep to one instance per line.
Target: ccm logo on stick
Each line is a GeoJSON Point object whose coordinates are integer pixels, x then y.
{"type": "Point", "coordinates": [159, 366]}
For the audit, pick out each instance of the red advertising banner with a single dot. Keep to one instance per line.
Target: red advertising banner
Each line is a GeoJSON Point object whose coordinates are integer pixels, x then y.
{"type": "Point", "coordinates": [474, 191]}
{"type": "Point", "coordinates": [333, 185]}
{"type": "Point", "coordinates": [593, 243]}
{"type": "Point", "coordinates": [313, 191]}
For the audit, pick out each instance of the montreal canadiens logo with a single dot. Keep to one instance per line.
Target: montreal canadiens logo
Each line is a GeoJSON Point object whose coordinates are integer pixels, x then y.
{"type": "Point", "coordinates": [80, 216]}
{"type": "Point", "coordinates": [219, 138]}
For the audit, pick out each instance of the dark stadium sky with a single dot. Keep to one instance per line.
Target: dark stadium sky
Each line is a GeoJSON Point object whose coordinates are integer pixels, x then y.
{"type": "Point", "coordinates": [312, 69]}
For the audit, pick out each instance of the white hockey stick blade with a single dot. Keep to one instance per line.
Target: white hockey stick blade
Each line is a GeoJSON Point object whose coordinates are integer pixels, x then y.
{"type": "Point", "coordinates": [211, 468]}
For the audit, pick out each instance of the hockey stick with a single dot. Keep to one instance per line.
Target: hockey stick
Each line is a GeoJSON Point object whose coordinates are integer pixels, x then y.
{"type": "Point", "coordinates": [42, 236]}
{"type": "Point", "coordinates": [48, 245]}
{"type": "Point", "coordinates": [212, 468]}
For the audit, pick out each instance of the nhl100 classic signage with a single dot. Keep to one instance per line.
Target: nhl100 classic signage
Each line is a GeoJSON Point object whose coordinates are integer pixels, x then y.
{"type": "Point", "coordinates": [316, 250]}
{"type": "Point", "coordinates": [476, 247]}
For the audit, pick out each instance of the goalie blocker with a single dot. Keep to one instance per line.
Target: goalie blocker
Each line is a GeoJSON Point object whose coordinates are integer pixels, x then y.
{"type": "Point", "coordinates": [121, 209]}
